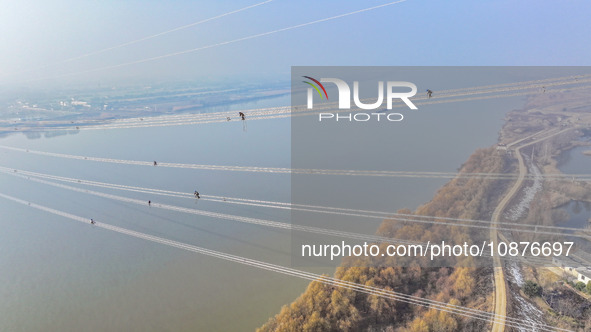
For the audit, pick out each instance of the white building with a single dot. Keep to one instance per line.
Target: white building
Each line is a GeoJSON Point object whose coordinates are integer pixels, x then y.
{"type": "Point", "coordinates": [574, 268]}
{"type": "Point", "coordinates": [584, 274]}
{"type": "Point", "coordinates": [567, 264]}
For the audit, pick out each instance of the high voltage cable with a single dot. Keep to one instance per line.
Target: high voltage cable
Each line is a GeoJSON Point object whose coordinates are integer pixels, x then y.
{"type": "Point", "coordinates": [301, 228]}
{"type": "Point", "coordinates": [410, 299]}
{"type": "Point", "coordinates": [286, 111]}
{"type": "Point", "coordinates": [268, 112]}
{"type": "Point", "coordinates": [304, 171]}
{"type": "Point", "coordinates": [227, 42]}
{"type": "Point", "coordinates": [287, 226]}
{"type": "Point", "coordinates": [256, 221]}
{"type": "Point", "coordinates": [152, 36]}
{"type": "Point", "coordinates": [261, 222]}
{"type": "Point", "coordinates": [296, 227]}
{"type": "Point", "coordinates": [441, 93]}
{"type": "Point", "coordinates": [287, 206]}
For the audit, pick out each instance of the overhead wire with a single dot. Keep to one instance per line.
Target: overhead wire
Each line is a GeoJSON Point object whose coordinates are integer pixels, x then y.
{"type": "Point", "coordinates": [193, 50]}
{"type": "Point", "coordinates": [288, 206]}
{"type": "Point", "coordinates": [372, 290]}
{"type": "Point", "coordinates": [286, 111]}
{"type": "Point", "coordinates": [145, 38]}
{"type": "Point", "coordinates": [285, 170]}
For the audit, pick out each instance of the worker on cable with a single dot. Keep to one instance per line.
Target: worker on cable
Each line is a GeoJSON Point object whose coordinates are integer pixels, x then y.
{"type": "Point", "coordinates": [155, 163]}
{"type": "Point", "coordinates": [149, 203]}
{"type": "Point", "coordinates": [197, 194]}
{"type": "Point", "coordinates": [92, 221]}
{"type": "Point", "coordinates": [243, 120]}
{"type": "Point", "coordinates": [429, 93]}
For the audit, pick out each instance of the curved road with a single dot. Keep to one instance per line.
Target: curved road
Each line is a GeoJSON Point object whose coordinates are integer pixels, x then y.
{"type": "Point", "coordinates": [500, 298]}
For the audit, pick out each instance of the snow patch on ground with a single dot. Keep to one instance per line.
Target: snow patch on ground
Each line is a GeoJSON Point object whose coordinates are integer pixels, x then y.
{"type": "Point", "coordinates": [524, 310]}
{"type": "Point", "coordinates": [529, 313]}
{"type": "Point", "coordinates": [515, 273]}
{"type": "Point", "coordinates": [518, 211]}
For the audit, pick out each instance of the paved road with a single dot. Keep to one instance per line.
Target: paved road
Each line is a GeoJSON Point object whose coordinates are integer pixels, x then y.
{"type": "Point", "coordinates": [499, 276]}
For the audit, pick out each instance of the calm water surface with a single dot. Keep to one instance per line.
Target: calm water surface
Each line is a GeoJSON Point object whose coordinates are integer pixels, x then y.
{"type": "Point", "coordinates": [60, 275]}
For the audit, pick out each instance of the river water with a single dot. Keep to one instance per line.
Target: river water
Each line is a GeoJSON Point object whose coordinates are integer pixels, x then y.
{"type": "Point", "coordinates": [573, 161]}
{"type": "Point", "coordinates": [60, 275]}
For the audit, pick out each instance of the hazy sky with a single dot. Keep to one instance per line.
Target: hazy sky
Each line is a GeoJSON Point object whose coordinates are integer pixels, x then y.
{"type": "Point", "coordinates": [37, 35]}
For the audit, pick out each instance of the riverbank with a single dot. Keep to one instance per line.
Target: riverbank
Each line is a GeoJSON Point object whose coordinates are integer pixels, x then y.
{"type": "Point", "coordinates": [332, 308]}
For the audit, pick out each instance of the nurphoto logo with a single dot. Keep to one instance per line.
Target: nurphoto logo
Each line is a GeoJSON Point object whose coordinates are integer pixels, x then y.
{"type": "Point", "coordinates": [344, 99]}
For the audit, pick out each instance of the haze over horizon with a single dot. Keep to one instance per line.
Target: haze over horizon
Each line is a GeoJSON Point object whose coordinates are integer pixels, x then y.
{"type": "Point", "coordinates": [40, 35]}
{"type": "Point", "coordinates": [168, 165]}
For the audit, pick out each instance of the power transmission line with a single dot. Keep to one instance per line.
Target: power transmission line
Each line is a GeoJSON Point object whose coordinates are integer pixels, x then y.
{"type": "Point", "coordinates": [135, 41]}
{"type": "Point", "coordinates": [193, 50]}
{"type": "Point", "coordinates": [410, 299]}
